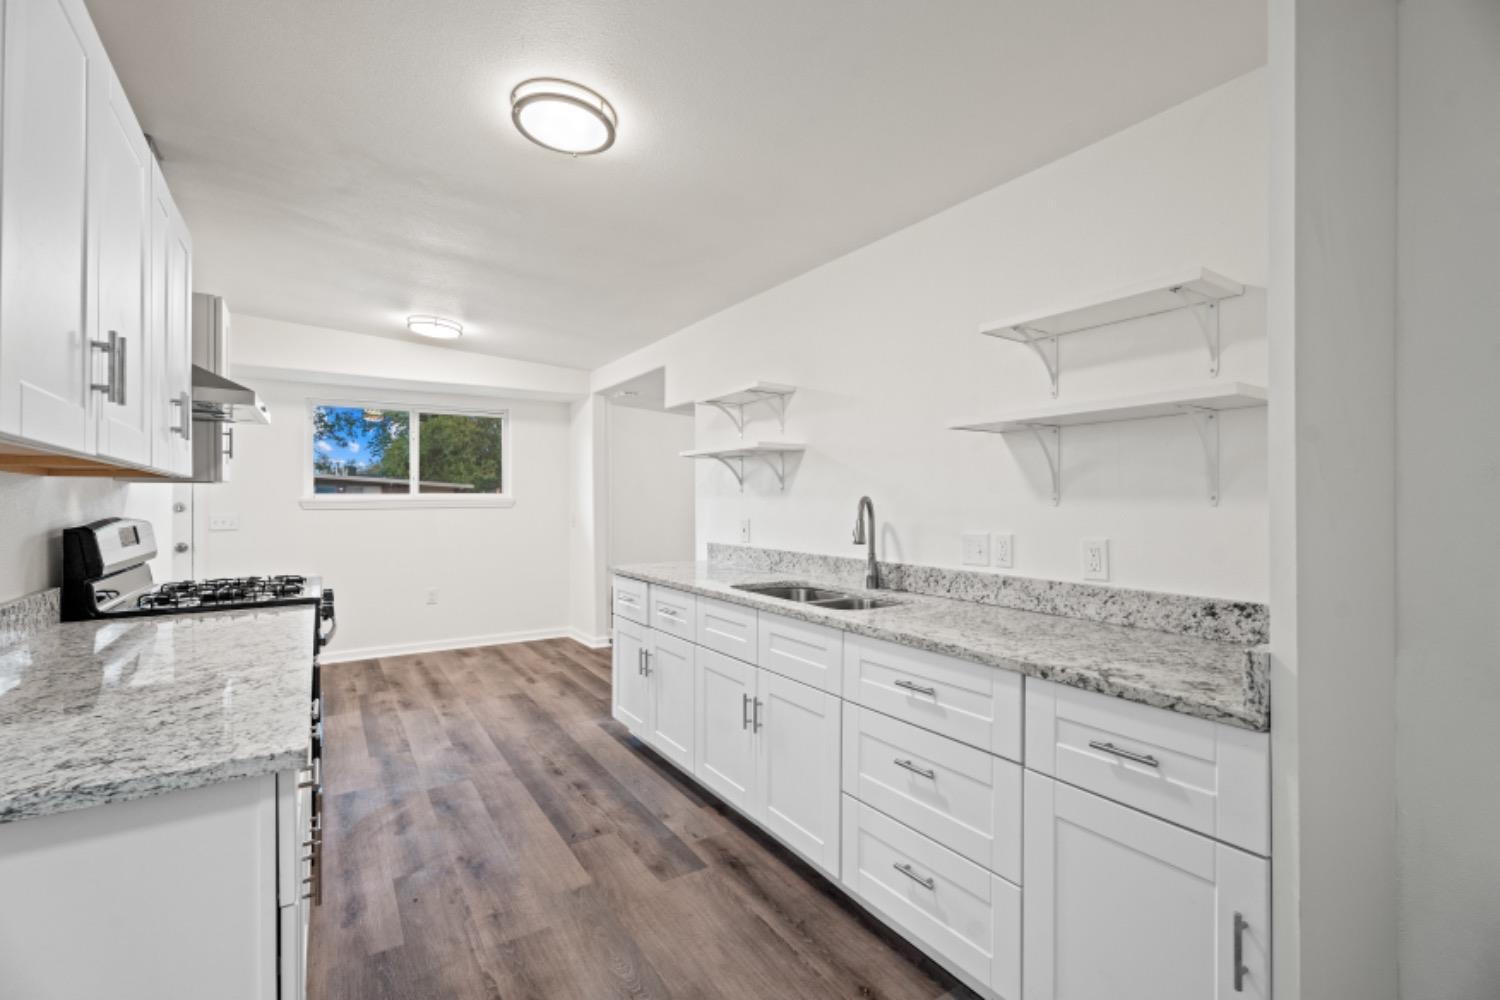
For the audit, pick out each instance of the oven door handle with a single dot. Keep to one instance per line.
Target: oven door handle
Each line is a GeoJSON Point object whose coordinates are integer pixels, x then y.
{"type": "Point", "coordinates": [324, 638]}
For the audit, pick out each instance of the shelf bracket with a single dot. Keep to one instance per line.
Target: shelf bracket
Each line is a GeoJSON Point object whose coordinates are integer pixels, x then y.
{"type": "Point", "coordinates": [1044, 345]}
{"type": "Point", "coordinates": [1207, 423]}
{"type": "Point", "coordinates": [1206, 312]}
{"type": "Point", "coordinates": [777, 467]}
{"type": "Point", "coordinates": [738, 471]}
{"type": "Point", "coordinates": [1049, 437]}
{"type": "Point", "coordinates": [735, 414]}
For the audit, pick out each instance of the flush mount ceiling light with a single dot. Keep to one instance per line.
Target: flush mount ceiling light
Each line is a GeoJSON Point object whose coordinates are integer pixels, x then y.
{"type": "Point", "coordinates": [563, 116]}
{"type": "Point", "coordinates": [435, 326]}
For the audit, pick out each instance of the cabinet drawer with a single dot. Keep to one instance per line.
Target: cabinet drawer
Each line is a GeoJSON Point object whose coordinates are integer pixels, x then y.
{"type": "Point", "coordinates": [962, 797]}
{"type": "Point", "coordinates": [630, 599]}
{"type": "Point", "coordinates": [728, 628]}
{"type": "Point", "coordinates": [1203, 775]}
{"type": "Point", "coordinates": [812, 654]}
{"type": "Point", "coordinates": [674, 613]}
{"type": "Point", "coordinates": [969, 702]}
{"type": "Point", "coordinates": [962, 913]}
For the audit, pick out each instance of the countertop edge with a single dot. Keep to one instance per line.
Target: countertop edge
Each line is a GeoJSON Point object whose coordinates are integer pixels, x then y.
{"type": "Point", "coordinates": [1256, 717]}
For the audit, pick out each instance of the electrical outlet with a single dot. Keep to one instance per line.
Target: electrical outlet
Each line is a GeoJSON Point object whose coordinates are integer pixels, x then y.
{"type": "Point", "coordinates": [224, 522]}
{"type": "Point", "coordinates": [745, 532]}
{"type": "Point", "coordinates": [976, 548]}
{"type": "Point", "coordinates": [1003, 549]}
{"type": "Point", "coordinates": [1095, 558]}
{"type": "Point", "coordinates": [432, 595]}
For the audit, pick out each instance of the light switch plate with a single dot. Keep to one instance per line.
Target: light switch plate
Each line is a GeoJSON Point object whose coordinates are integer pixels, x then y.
{"type": "Point", "coordinates": [223, 522]}
{"type": "Point", "coordinates": [1003, 549]}
{"type": "Point", "coordinates": [1095, 555]}
{"type": "Point", "coordinates": [976, 548]}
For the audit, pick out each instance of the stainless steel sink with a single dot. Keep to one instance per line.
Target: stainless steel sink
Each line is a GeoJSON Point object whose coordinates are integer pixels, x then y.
{"type": "Point", "coordinates": [854, 604]}
{"type": "Point", "coordinates": [791, 592]}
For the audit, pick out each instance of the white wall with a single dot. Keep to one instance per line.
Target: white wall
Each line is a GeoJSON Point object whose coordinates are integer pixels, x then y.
{"type": "Point", "coordinates": [502, 573]}
{"type": "Point", "coordinates": [885, 347]}
{"type": "Point", "coordinates": [1448, 500]}
{"type": "Point", "coordinates": [35, 509]}
{"type": "Point", "coordinates": [651, 488]}
{"type": "Point", "coordinates": [588, 585]}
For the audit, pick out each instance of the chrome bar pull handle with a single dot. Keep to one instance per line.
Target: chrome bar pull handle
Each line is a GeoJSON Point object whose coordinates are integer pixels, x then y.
{"type": "Point", "coordinates": [1131, 755]}
{"type": "Point", "coordinates": [911, 873]}
{"type": "Point", "coordinates": [229, 441]}
{"type": "Point", "coordinates": [109, 348]}
{"type": "Point", "coordinates": [914, 769]}
{"type": "Point", "coordinates": [902, 682]}
{"type": "Point", "coordinates": [1240, 969]}
{"type": "Point", "coordinates": [757, 722]}
{"type": "Point", "coordinates": [118, 376]}
{"type": "Point", "coordinates": [184, 404]}
{"type": "Point", "coordinates": [744, 711]}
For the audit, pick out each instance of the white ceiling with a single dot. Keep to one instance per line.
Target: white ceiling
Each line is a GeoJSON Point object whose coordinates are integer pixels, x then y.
{"type": "Point", "coordinates": [344, 163]}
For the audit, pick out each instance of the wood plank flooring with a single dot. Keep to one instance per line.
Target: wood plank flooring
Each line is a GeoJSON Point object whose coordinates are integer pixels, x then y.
{"type": "Point", "coordinates": [491, 832]}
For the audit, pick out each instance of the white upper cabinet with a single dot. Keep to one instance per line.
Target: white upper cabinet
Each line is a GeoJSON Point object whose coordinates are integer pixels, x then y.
{"type": "Point", "coordinates": [45, 394]}
{"type": "Point", "coordinates": [91, 333]}
{"type": "Point", "coordinates": [120, 166]}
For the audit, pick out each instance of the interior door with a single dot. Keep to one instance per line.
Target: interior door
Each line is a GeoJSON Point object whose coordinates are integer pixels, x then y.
{"type": "Point", "coordinates": [632, 692]}
{"type": "Point", "coordinates": [669, 670]}
{"type": "Point", "coordinates": [724, 701]}
{"type": "Point", "coordinates": [44, 332]}
{"type": "Point", "coordinates": [1123, 905]}
{"type": "Point", "coordinates": [797, 766]}
{"type": "Point", "coordinates": [120, 177]}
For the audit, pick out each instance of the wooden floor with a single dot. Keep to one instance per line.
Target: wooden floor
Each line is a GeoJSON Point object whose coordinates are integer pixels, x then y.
{"type": "Point", "coordinates": [490, 831]}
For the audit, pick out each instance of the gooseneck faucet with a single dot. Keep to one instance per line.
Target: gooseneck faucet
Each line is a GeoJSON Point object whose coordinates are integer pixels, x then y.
{"type": "Point", "coordinates": [872, 568]}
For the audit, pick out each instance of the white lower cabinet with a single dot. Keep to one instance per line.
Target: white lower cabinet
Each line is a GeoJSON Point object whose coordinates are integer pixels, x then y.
{"type": "Point", "coordinates": [1124, 906]}
{"type": "Point", "coordinates": [967, 916]}
{"type": "Point", "coordinates": [724, 708]}
{"type": "Point", "coordinates": [631, 691]}
{"type": "Point", "coordinates": [797, 766]}
{"type": "Point", "coordinates": [670, 681]}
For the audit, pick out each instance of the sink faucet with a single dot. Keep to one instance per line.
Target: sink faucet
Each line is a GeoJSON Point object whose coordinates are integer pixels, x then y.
{"type": "Point", "coordinates": [872, 569]}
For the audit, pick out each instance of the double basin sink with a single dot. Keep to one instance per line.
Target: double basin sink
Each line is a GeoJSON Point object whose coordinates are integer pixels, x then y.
{"type": "Point", "coordinates": [832, 600]}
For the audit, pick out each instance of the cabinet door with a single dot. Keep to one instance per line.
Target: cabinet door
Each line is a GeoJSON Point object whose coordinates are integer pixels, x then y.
{"type": "Point", "coordinates": [169, 308]}
{"type": "Point", "coordinates": [1122, 905]}
{"type": "Point", "coordinates": [45, 393]}
{"type": "Point", "coordinates": [120, 189]}
{"type": "Point", "coordinates": [669, 672]}
{"type": "Point", "coordinates": [724, 702]}
{"type": "Point", "coordinates": [797, 766]}
{"type": "Point", "coordinates": [632, 693]}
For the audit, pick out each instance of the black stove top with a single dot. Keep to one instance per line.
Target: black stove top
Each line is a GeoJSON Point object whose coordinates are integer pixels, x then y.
{"type": "Point", "coordinates": [226, 592]}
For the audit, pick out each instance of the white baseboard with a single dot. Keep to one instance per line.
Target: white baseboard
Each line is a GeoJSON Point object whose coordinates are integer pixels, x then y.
{"type": "Point", "coordinates": [591, 641]}
{"type": "Point", "coordinates": [335, 655]}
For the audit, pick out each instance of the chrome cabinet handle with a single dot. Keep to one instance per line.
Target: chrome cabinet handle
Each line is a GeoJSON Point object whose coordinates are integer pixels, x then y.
{"type": "Point", "coordinates": [640, 662]}
{"type": "Point", "coordinates": [911, 873]}
{"type": "Point", "coordinates": [757, 722]}
{"type": "Point", "coordinates": [914, 769]}
{"type": "Point", "coordinates": [229, 441]}
{"type": "Point", "coordinates": [111, 348]}
{"type": "Point", "coordinates": [668, 613]}
{"type": "Point", "coordinates": [744, 711]}
{"type": "Point", "coordinates": [625, 599]}
{"type": "Point", "coordinates": [1139, 758]}
{"type": "Point", "coordinates": [117, 377]}
{"type": "Point", "coordinates": [1240, 969]}
{"type": "Point", "coordinates": [184, 404]}
{"type": "Point", "coordinates": [646, 655]}
{"type": "Point", "coordinates": [918, 688]}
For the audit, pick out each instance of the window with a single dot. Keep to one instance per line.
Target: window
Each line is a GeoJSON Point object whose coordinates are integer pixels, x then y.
{"type": "Point", "coordinates": [368, 455]}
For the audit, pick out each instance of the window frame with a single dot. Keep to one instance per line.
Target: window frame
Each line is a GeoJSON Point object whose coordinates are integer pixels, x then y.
{"type": "Point", "coordinates": [411, 500]}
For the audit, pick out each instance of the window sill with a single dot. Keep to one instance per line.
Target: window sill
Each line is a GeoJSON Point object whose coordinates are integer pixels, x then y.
{"type": "Point", "coordinates": [337, 502]}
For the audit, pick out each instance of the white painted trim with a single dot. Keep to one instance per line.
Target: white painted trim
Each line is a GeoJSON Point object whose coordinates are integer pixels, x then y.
{"type": "Point", "coordinates": [443, 645]}
{"type": "Point", "coordinates": [398, 501]}
{"type": "Point", "coordinates": [591, 641]}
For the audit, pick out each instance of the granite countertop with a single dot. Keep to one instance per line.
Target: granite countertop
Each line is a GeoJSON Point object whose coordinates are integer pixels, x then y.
{"type": "Point", "coordinates": [1220, 681]}
{"type": "Point", "coordinates": [105, 711]}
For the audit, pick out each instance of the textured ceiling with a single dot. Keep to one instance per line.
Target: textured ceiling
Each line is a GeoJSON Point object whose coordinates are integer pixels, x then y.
{"type": "Point", "coordinates": [345, 162]}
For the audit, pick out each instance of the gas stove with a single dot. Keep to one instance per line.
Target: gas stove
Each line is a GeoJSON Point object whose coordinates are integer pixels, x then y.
{"type": "Point", "coordinates": [106, 574]}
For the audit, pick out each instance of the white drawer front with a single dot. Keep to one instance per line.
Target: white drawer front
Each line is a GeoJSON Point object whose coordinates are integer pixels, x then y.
{"type": "Point", "coordinates": [630, 599]}
{"type": "Point", "coordinates": [728, 628]}
{"type": "Point", "coordinates": [1203, 775]}
{"type": "Point", "coordinates": [812, 654]}
{"type": "Point", "coordinates": [969, 702]}
{"type": "Point", "coordinates": [674, 613]}
{"type": "Point", "coordinates": [950, 905]}
{"type": "Point", "coordinates": [962, 797]}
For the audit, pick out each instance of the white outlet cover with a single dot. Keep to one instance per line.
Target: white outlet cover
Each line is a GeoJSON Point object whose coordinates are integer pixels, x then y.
{"type": "Point", "coordinates": [1094, 555]}
{"type": "Point", "coordinates": [1003, 549]}
{"type": "Point", "coordinates": [432, 595]}
{"type": "Point", "coordinates": [976, 548]}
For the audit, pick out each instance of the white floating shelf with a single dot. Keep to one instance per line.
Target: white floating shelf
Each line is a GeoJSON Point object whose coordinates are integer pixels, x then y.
{"type": "Point", "coordinates": [771, 453]}
{"type": "Point", "coordinates": [733, 403]}
{"type": "Point", "coordinates": [1197, 289]}
{"type": "Point", "coordinates": [1202, 403]}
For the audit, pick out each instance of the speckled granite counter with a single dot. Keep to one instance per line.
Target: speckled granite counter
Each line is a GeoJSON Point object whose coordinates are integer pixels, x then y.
{"type": "Point", "coordinates": [98, 712]}
{"type": "Point", "coordinates": [1221, 681]}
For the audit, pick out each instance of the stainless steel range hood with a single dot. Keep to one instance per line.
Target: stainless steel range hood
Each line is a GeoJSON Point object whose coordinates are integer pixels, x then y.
{"type": "Point", "coordinates": [224, 401]}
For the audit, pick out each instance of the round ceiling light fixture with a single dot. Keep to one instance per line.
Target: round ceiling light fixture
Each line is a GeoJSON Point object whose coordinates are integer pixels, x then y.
{"type": "Point", "coordinates": [435, 326]}
{"type": "Point", "coordinates": [563, 116]}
